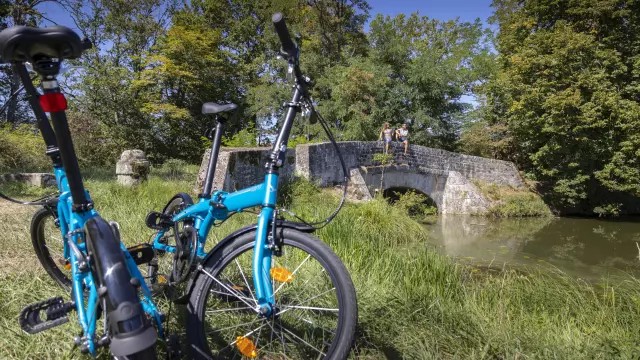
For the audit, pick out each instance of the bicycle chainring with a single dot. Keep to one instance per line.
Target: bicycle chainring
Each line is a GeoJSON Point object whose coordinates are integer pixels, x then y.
{"type": "Point", "coordinates": [186, 250]}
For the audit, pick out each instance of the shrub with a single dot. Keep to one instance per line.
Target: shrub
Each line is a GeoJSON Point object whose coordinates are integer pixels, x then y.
{"type": "Point", "coordinates": [415, 204]}
{"type": "Point", "coordinates": [510, 202]}
{"type": "Point", "coordinates": [22, 149]}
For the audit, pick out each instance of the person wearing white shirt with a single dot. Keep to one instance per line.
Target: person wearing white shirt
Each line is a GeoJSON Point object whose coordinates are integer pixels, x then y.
{"type": "Point", "coordinates": [403, 136]}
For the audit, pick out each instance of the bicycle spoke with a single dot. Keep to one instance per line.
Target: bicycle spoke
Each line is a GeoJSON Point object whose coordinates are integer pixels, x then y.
{"type": "Point", "coordinates": [246, 282]}
{"type": "Point", "coordinates": [230, 309]}
{"type": "Point", "coordinates": [304, 302]}
{"type": "Point", "coordinates": [229, 294]}
{"type": "Point", "coordinates": [245, 335]}
{"type": "Point", "coordinates": [293, 273]}
{"type": "Point", "coordinates": [301, 339]}
{"type": "Point", "coordinates": [226, 287]}
{"type": "Point", "coordinates": [313, 324]}
{"type": "Point", "coordinates": [232, 327]}
{"type": "Point", "coordinates": [310, 308]}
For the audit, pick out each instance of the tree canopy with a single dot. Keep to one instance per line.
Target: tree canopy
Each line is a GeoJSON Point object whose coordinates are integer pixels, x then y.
{"type": "Point", "coordinates": [565, 103]}
{"type": "Point", "coordinates": [556, 88]}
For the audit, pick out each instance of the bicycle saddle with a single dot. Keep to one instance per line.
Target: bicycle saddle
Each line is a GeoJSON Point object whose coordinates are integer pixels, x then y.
{"type": "Point", "coordinates": [23, 43]}
{"type": "Point", "coordinates": [213, 108]}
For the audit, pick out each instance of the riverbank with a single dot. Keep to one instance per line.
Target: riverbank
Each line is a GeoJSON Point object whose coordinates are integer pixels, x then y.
{"type": "Point", "coordinates": [413, 302]}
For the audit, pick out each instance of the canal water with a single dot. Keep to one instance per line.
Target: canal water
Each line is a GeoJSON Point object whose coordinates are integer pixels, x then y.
{"type": "Point", "coordinates": [581, 247]}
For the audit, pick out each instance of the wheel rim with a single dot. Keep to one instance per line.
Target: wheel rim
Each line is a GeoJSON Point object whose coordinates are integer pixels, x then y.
{"type": "Point", "coordinates": [307, 308]}
{"type": "Point", "coordinates": [52, 246]}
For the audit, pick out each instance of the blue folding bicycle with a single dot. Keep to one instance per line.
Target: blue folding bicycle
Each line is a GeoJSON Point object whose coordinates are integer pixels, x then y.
{"type": "Point", "coordinates": [269, 290]}
{"type": "Point", "coordinates": [88, 259]}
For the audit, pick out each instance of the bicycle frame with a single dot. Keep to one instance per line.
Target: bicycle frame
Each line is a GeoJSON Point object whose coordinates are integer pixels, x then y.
{"type": "Point", "coordinates": [71, 226]}
{"type": "Point", "coordinates": [204, 214]}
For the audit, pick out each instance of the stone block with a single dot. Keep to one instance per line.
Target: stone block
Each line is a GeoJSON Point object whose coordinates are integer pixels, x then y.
{"type": "Point", "coordinates": [132, 168]}
{"type": "Point", "coordinates": [33, 179]}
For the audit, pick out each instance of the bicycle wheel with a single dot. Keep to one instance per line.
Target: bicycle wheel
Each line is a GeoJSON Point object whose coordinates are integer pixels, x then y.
{"type": "Point", "coordinates": [315, 314]}
{"type": "Point", "coordinates": [49, 247]}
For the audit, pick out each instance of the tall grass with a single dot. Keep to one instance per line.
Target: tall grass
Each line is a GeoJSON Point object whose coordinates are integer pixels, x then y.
{"type": "Point", "coordinates": [413, 302]}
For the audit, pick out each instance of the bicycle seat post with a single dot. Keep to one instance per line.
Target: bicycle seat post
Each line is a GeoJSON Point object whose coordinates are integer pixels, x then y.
{"type": "Point", "coordinates": [213, 157]}
{"type": "Point", "coordinates": [54, 102]}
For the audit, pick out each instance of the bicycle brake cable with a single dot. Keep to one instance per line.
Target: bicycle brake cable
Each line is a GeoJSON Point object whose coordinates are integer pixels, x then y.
{"type": "Point", "coordinates": [40, 201]}
{"type": "Point", "coordinates": [320, 224]}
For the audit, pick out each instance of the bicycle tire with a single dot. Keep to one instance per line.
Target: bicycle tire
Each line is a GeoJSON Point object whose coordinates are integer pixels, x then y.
{"type": "Point", "coordinates": [146, 354]}
{"type": "Point", "coordinates": [38, 239]}
{"type": "Point", "coordinates": [346, 297]}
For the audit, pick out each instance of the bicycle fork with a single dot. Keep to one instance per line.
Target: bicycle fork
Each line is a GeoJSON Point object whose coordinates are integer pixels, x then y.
{"type": "Point", "coordinates": [261, 265]}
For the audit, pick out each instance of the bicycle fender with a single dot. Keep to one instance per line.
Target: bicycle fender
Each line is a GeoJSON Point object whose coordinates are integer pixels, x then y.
{"type": "Point", "coordinates": [281, 224]}
{"type": "Point", "coordinates": [130, 332]}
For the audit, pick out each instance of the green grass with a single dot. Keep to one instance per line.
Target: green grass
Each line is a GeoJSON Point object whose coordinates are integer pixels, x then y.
{"type": "Point", "coordinates": [413, 302]}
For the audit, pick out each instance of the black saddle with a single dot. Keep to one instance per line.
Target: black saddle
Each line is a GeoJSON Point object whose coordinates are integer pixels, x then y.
{"type": "Point", "coordinates": [213, 108]}
{"type": "Point", "coordinates": [23, 43]}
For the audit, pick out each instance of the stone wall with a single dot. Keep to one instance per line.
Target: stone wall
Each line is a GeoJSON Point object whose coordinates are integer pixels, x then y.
{"type": "Point", "coordinates": [319, 161]}
{"type": "Point", "coordinates": [238, 168]}
{"type": "Point", "coordinates": [33, 179]}
{"type": "Point", "coordinates": [445, 176]}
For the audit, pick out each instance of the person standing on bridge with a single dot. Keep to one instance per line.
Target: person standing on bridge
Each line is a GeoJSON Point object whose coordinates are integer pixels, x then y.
{"type": "Point", "coordinates": [388, 136]}
{"type": "Point", "coordinates": [403, 136]}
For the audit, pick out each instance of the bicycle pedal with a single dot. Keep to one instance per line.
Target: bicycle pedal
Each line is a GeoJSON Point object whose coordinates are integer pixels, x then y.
{"type": "Point", "coordinates": [141, 254]}
{"type": "Point", "coordinates": [54, 309]}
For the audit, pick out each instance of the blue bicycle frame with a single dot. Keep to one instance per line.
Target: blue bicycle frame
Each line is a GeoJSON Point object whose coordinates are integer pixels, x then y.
{"type": "Point", "coordinates": [204, 214]}
{"type": "Point", "coordinates": [71, 229]}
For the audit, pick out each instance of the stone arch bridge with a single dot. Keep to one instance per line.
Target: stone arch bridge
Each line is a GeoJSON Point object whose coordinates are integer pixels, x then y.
{"type": "Point", "coordinates": [448, 178]}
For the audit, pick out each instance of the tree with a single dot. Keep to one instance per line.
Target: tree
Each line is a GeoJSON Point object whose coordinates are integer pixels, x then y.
{"type": "Point", "coordinates": [568, 92]}
{"type": "Point", "coordinates": [106, 95]}
{"type": "Point", "coordinates": [417, 69]}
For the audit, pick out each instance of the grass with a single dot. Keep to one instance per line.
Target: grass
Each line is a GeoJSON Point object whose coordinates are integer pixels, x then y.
{"type": "Point", "coordinates": [413, 302]}
{"type": "Point", "coordinates": [507, 202]}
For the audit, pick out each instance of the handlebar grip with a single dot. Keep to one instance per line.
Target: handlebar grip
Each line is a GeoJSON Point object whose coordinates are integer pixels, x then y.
{"type": "Point", "coordinates": [283, 33]}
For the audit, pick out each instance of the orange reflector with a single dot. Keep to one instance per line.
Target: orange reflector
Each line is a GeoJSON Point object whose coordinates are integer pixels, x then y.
{"type": "Point", "coordinates": [236, 287]}
{"type": "Point", "coordinates": [65, 263]}
{"type": "Point", "coordinates": [281, 274]}
{"type": "Point", "coordinates": [162, 279]}
{"type": "Point", "coordinates": [246, 347]}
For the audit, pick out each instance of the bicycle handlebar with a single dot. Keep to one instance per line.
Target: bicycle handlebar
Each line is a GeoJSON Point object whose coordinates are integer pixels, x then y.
{"type": "Point", "coordinates": [288, 46]}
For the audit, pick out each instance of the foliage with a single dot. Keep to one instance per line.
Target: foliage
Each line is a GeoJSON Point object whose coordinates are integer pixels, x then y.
{"type": "Point", "coordinates": [382, 158]}
{"type": "Point", "coordinates": [22, 149]}
{"type": "Point", "coordinates": [567, 94]}
{"type": "Point", "coordinates": [415, 204]}
{"type": "Point", "coordinates": [243, 138]}
{"type": "Point", "coordinates": [507, 202]}
{"type": "Point", "coordinates": [417, 69]}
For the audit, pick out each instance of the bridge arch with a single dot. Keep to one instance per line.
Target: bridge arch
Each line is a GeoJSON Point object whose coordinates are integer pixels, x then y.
{"type": "Point", "coordinates": [450, 191]}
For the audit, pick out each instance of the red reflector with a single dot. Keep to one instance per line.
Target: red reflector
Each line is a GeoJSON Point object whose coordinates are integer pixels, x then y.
{"type": "Point", "coordinates": [53, 102]}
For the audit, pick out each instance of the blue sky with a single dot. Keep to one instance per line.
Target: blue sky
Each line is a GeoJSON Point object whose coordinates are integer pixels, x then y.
{"type": "Point", "coordinates": [467, 10]}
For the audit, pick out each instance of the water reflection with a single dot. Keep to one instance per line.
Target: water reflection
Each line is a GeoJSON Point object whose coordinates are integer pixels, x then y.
{"type": "Point", "coordinates": [587, 248]}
